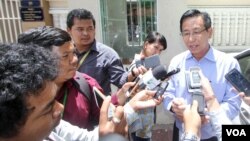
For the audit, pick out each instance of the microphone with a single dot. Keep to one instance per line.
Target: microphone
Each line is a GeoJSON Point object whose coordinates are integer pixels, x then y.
{"type": "Point", "coordinates": [160, 89]}
{"type": "Point", "coordinates": [152, 78]}
{"type": "Point", "coordinates": [149, 79]}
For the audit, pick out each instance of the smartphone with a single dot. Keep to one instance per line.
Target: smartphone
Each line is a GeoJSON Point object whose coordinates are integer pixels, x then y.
{"type": "Point", "coordinates": [99, 97]}
{"type": "Point", "coordinates": [161, 89]}
{"type": "Point", "coordinates": [195, 79]}
{"type": "Point", "coordinates": [199, 97]}
{"type": "Point", "coordinates": [149, 62]}
{"type": "Point", "coordinates": [239, 82]}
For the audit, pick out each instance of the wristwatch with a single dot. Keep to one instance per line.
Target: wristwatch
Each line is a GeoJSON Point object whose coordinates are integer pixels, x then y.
{"type": "Point", "coordinates": [189, 137]}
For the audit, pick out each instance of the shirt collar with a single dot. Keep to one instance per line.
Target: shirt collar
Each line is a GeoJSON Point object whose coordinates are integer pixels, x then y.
{"type": "Point", "coordinates": [209, 55]}
{"type": "Point", "coordinates": [92, 48]}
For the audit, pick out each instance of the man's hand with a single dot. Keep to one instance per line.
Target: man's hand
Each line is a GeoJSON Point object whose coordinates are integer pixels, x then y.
{"type": "Point", "coordinates": [245, 98]}
{"type": "Point", "coordinates": [207, 90]}
{"type": "Point", "coordinates": [144, 99]}
{"type": "Point", "coordinates": [192, 119]}
{"type": "Point", "coordinates": [178, 107]}
{"type": "Point", "coordinates": [117, 124]}
{"type": "Point", "coordinates": [121, 93]}
{"type": "Point", "coordinates": [139, 70]}
{"type": "Point", "coordinates": [135, 72]}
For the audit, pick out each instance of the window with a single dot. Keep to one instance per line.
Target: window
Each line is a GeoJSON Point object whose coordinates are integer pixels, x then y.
{"type": "Point", "coordinates": [125, 24]}
{"type": "Point", "coordinates": [10, 20]}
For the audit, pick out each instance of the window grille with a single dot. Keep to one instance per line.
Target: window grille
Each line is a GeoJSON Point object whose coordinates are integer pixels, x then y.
{"type": "Point", "coordinates": [231, 27]}
{"type": "Point", "coordinates": [125, 29]}
{"type": "Point", "coordinates": [10, 20]}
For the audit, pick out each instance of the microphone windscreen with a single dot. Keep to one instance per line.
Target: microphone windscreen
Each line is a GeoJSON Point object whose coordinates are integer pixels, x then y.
{"type": "Point", "coordinates": [160, 72]}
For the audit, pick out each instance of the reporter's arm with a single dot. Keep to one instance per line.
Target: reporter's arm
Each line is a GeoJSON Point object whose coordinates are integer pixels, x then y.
{"type": "Point", "coordinates": [121, 94]}
{"type": "Point", "coordinates": [217, 115]}
{"type": "Point", "coordinates": [192, 123]}
{"type": "Point", "coordinates": [66, 131]}
{"type": "Point", "coordinates": [106, 125]}
{"type": "Point", "coordinates": [210, 99]}
{"type": "Point", "coordinates": [143, 99]}
{"type": "Point", "coordinates": [245, 98]}
{"type": "Point", "coordinates": [135, 72]}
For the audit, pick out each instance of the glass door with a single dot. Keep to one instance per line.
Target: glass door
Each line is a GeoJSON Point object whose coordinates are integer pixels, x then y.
{"type": "Point", "coordinates": [126, 24]}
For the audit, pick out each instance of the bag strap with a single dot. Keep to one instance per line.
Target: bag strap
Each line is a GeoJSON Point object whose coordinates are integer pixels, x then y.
{"type": "Point", "coordinates": [81, 84]}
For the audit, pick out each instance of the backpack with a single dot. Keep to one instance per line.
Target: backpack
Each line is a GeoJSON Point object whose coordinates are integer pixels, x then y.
{"type": "Point", "coordinates": [81, 84]}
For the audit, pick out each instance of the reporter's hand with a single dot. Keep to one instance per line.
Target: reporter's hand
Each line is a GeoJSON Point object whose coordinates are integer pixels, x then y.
{"type": "Point", "coordinates": [121, 93]}
{"type": "Point", "coordinates": [210, 99]}
{"type": "Point", "coordinates": [144, 99]}
{"type": "Point", "coordinates": [107, 126]}
{"type": "Point", "coordinates": [135, 72]}
{"type": "Point", "coordinates": [245, 98]}
{"type": "Point", "coordinates": [139, 70]}
{"type": "Point", "coordinates": [192, 119]}
{"type": "Point", "coordinates": [122, 127]}
{"type": "Point", "coordinates": [206, 87]}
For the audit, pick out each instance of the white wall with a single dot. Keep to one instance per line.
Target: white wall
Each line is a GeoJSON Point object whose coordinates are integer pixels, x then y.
{"type": "Point", "coordinates": [168, 15]}
{"type": "Point", "coordinates": [219, 2]}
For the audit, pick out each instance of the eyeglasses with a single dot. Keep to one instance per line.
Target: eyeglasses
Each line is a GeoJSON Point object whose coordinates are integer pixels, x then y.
{"type": "Point", "coordinates": [80, 30]}
{"type": "Point", "coordinates": [196, 33]}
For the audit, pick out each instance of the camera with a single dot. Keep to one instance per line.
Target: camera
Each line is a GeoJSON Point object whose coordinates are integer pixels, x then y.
{"type": "Point", "coordinates": [193, 80]}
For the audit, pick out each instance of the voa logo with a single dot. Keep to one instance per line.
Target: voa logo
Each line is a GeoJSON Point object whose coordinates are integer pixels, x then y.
{"type": "Point", "coordinates": [236, 132]}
